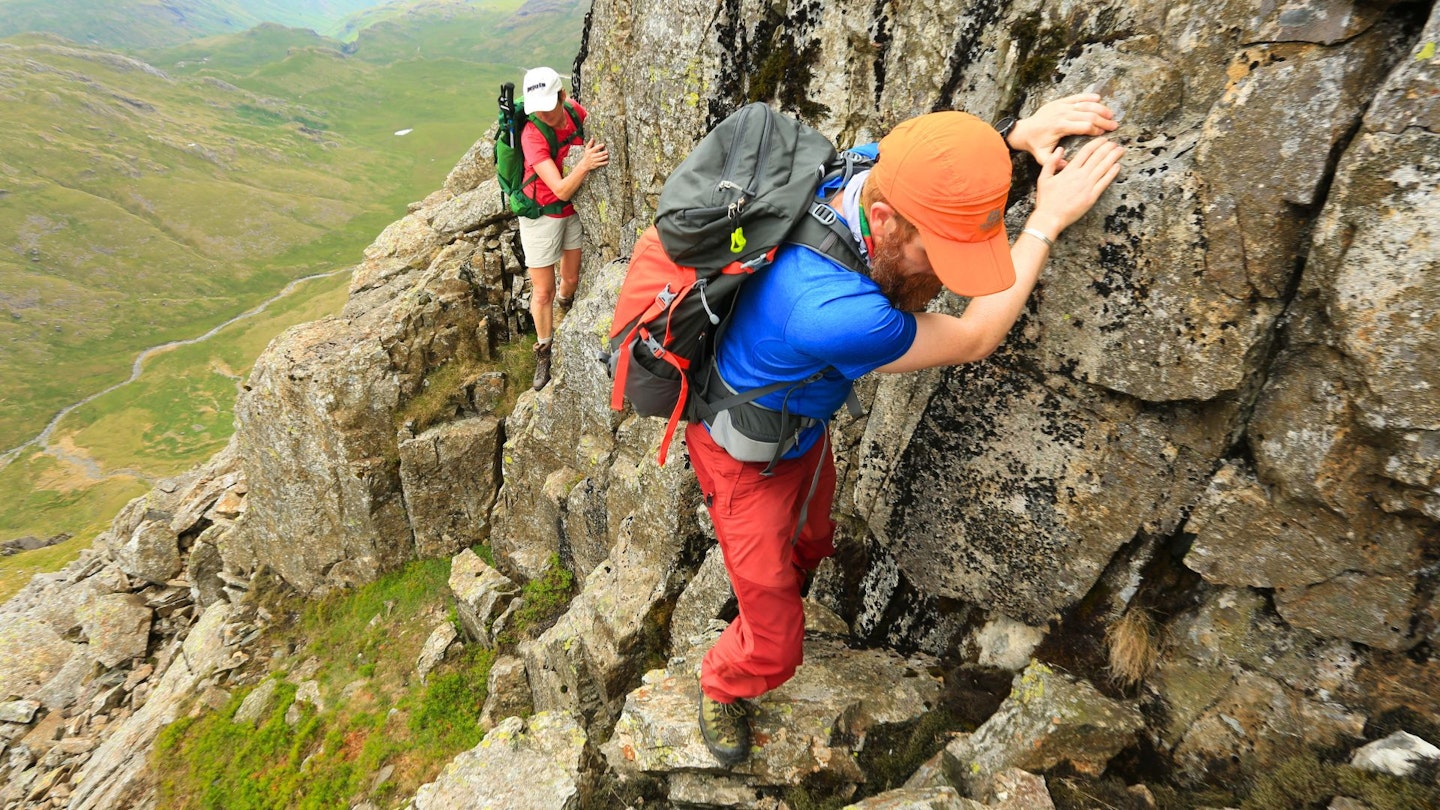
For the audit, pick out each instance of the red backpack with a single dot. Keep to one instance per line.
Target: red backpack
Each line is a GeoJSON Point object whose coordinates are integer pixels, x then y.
{"type": "Point", "coordinates": [748, 187]}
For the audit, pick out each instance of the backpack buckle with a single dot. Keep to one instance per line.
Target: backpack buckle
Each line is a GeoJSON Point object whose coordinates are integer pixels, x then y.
{"type": "Point", "coordinates": [824, 213]}
{"type": "Point", "coordinates": [665, 296]}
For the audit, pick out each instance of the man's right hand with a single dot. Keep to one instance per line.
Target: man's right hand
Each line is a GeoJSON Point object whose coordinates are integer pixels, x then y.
{"type": "Point", "coordinates": [1069, 188]}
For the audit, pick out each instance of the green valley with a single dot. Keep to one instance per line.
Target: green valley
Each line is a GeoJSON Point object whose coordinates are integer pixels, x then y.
{"type": "Point", "coordinates": [147, 197]}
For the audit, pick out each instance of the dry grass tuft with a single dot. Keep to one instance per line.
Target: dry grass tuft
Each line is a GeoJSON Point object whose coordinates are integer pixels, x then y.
{"type": "Point", "coordinates": [1134, 645]}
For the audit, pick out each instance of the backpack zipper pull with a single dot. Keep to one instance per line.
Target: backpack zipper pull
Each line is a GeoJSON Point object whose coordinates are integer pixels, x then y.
{"type": "Point", "coordinates": [737, 240]}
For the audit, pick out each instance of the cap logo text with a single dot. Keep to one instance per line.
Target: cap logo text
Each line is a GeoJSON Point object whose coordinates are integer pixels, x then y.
{"type": "Point", "coordinates": [992, 219]}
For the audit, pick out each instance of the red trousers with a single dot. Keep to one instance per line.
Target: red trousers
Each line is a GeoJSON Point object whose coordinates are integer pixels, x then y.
{"type": "Point", "coordinates": [755, 519]}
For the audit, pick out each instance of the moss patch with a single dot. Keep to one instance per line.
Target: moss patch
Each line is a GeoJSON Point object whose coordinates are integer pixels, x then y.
{"type": "Point", "coordinates": [361, 646]}
{"type": "Point", "coordinates": [546, 597]}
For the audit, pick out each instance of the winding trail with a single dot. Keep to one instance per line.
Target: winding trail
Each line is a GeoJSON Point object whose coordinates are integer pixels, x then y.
{"type": "Point", "coordinates": [91, 469]}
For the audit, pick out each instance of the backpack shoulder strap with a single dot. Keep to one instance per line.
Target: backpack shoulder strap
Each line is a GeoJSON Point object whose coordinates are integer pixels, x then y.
{"type": "Point", "coordinates": [548, 132]}
{"type": "Point", "coordinates": [575, 118]}
{"type": "Point", "coordinates": [820, 230]}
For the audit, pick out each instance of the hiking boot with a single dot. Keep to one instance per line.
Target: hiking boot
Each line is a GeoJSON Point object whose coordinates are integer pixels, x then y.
{"type": "Point", "coordinates": [726, 730]}
{"type": "Point", "coordinates": [542, 365]}
{"type": "Point", "coordinates": [564, 302]}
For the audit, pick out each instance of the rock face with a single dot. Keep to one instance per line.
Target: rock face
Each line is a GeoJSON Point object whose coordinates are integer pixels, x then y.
{"type": "Point", "coordinates": [1218, 410]}
{"type": "Point", "coordinates": [814, 724]}
{"type": "Point", "coordinates": [1048, 719]}
{"type": "Point", "coordinates": [539, 764]}
{"type": "Point", "coordinates": [323, 425]}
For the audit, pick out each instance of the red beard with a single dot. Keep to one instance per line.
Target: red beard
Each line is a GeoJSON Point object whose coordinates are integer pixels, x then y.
{"type": "Point", "coordinates": [909, 293]}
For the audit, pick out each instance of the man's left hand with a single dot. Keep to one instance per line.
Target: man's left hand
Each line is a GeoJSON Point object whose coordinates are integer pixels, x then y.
{"type": "Point", "coordinates": [1039, 134]}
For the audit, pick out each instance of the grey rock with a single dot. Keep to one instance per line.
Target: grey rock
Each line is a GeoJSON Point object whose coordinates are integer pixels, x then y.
{"type": "Point", "coordinates": [481, 595]}
{"type": "Point", "coordinates": [67, 687]}
{"type": "Point", "coordinates": [534, 764]}
{"type": "Point", "coordinates": [932, 798]}
{"type": "Point", "coordinates": [687, 789]}
{"type": "Point", "coordinates": [31, 653]}
{"type": "Point", "coordinates": [1048, 719]}
{"type": "Point", "coordinates": [1014, 789]}
{"type": "Point", "coordinates": [256, 705]}
{"type": "Point", "coordinates": [18, 711]}
{"type": "Point", "coordinates": [1397, 755]}
{"type": "Point", "coordinates": [115, 769]}
{"type": "Point", "coordinates": [117, 627]}
{"type": "Point", "coordinates": [1260, 721]}
{"type": "Point", "coordinates": [811, 724]}
{"type": "Point", "coordinates": [699, 605]}
{"type": "Point", "coordinates": [435, 649]}
{"type": "Point", "coordinates": [930, 774]}
{"type": "Point", "coordinates": [1006, 643]}
{"type": "Point", "coordinates": [151, 552]}
{"type": "Point", "coordinates": [449, 475]}
{"type": "Point", "coordinates": [470, 210]}
{"type": "Point", "coordinates": [309, 692]}
{"type": "Point", "coordinates": [203, 569]}
{"type": "Point", "coordinates": [323, 399]}
{"type": "Point", "coordinates": [508, 693]}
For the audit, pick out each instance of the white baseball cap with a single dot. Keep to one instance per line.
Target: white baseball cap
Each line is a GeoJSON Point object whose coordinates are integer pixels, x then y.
{"type": "Point", "coordinates": [542, 89]}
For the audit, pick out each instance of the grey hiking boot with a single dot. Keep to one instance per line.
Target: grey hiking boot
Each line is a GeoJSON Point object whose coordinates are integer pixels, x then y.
{"type": "Point", "coordinates": [542, 365]}
{"type": "Point", "coordinates": [726, 730]}
{"type": "Point", "coordinates": [564, 302]}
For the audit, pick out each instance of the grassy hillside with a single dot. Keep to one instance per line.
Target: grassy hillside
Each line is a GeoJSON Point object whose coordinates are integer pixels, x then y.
{"type": "Point", "coordinates": [131, 25]}
{"type": "Point", "coordinates": [137, 208]}
{"type": "Point", "coordinates": [137, 24]}
{"type": "Point", "coordinates": [143, 202]}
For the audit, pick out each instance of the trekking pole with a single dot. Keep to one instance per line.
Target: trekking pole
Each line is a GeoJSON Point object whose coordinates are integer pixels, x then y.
{"type": "Point", "coordinates": [507, 112]}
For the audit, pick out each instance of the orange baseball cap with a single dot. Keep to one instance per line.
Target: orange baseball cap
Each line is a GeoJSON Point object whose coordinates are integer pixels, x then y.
{"type": "Point", "coordinates": [948, 173]}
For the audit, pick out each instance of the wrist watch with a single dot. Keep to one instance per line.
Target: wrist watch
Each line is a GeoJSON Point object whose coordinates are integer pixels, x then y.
{"type": "Point", "coordinates": [1005, 126]}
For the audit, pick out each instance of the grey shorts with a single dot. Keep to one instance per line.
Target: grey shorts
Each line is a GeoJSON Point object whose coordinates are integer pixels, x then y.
{"type": "Point", "coordinates": [546, 238]}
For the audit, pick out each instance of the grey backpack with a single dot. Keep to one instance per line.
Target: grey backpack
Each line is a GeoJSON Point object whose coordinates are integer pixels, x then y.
{"type": "Point", "coordinates": [747, 187]}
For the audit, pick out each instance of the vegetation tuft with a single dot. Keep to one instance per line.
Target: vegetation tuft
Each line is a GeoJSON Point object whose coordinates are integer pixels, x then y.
{"type": "Point", "coordinates": [545, 598]}
{"type": "Point", "coordinates": [380, 719]}
{"type": "Point", "coordinates": [1133, 646]}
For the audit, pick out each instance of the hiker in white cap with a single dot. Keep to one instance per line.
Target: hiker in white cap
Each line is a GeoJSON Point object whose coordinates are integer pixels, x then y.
{"type": "Point", "coordinates": [554, 237]}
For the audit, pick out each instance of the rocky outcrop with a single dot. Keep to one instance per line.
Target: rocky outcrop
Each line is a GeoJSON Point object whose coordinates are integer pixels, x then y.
{"type": "Point", "coordinates": [342, 486]}
{"type": "Point", "coordinates": [96, 658]}
{"type": "Point", "coordinates": [812, 727]}
{"type": "Point", "coordinates": [536, 764]}
{"type": "Point", "coordinates": [1216, 418]}
{"type": "Point", "coordinates": [1049, 719]}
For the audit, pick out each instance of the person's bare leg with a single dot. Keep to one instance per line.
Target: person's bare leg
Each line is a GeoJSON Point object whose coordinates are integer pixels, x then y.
{"type": "Point", "coordinates": [542, 299]}
{"type": "Point", "coordinates": [569, 279]}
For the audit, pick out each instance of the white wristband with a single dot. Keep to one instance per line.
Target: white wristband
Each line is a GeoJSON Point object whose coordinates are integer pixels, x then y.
{"type": "Point", "coordinates": [1039, 234]}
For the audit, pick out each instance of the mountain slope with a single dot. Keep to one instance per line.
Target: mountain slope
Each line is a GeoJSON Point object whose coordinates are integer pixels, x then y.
{"type": "Point", "coordinates": [143, 202]}
{"type": "Point", "coordinates": [134, 24]}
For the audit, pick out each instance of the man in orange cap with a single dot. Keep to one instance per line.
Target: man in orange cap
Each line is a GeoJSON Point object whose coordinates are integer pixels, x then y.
{"type": "Point", "coordinates": [930, 213]}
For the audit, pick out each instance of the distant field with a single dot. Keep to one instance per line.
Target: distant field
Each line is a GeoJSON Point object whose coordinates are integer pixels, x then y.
{"type": "Point", "coordinates": [143, 203]}
{"type": "Point", "coordinates": [181, 411]}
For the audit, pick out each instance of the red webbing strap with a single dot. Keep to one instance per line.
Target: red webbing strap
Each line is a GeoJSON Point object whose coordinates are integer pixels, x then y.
{"type": "Point", "coordinates": [681, 365]}
{"type": "Point", "coordinates": [674, 419]}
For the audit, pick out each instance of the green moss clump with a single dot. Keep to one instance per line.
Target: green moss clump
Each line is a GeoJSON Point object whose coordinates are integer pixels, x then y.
{"type": "Point", "coordinates": [546, 597]}
{"type": "Point", "coordinates": [449, 709]}
{"type": "Point", "coordinates": [785, 75]}
{"type": "Point", "coordinates": [1305, 781]}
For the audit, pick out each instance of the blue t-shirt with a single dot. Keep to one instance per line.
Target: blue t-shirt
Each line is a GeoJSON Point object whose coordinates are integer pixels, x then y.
{"type": "Point", "coordinates": [800, 315]}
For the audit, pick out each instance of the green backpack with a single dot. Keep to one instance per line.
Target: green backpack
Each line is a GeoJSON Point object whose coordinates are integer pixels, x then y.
{"type": "Point", "coordinates": [510, 157]}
